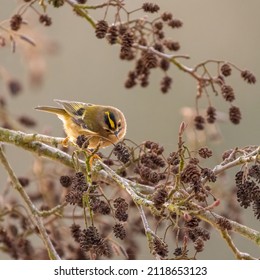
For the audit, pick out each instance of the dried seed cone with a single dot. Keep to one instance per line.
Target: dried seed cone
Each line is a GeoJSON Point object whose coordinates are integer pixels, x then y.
{"type": "Point", "coordinates": [101, 29]}
{"type": "Point", "coordinates": [235, 115]}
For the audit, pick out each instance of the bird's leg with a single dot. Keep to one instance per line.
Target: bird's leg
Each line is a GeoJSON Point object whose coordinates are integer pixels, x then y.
{"type": "Point", "coordinates": [93, 155]}
{"type": "Point", "coordinates": [65, 142]}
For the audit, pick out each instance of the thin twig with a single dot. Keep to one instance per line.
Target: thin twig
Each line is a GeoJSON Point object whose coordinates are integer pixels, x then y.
{"type": "Point", "coordinates": [81, 12]}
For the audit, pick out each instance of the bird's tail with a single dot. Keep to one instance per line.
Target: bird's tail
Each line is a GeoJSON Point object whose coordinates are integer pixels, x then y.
{"type": "Point", "coordinates": [54, 110]}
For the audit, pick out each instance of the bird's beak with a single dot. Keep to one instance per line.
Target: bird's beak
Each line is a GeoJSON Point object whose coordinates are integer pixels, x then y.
{"type": "Point", "coordinates": [116, 133]}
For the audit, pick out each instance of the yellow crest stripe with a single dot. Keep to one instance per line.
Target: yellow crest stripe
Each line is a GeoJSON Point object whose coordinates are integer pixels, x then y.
{"type": "Point", "coordinates": [111, 122]}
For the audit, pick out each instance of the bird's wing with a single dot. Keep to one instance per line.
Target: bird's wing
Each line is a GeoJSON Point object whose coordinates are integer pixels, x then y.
{"type": "Point", "coordinates": [83, 125]}
{"type": "Point", "coordinates": [73, 108]}
{"type": "Point", "coordinates": [77, 112]}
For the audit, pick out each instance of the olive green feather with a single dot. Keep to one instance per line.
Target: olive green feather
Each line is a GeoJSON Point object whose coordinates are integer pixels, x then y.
{"type": "Point", "coordinates": [73, 108]}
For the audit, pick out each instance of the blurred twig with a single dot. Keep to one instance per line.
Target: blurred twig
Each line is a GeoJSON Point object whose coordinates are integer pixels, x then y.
{"type": "Point", "coordinates": [32, 209]}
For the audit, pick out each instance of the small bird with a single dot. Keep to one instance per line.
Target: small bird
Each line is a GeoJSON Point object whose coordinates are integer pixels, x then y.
{"type": "Point", "coordinates": [102, 125]}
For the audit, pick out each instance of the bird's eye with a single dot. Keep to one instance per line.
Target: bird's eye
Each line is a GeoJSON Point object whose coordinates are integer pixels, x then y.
{"type": "Point", "coordinates": [107, 130]}
{"type": "Point", "coordinates": [119, 124]}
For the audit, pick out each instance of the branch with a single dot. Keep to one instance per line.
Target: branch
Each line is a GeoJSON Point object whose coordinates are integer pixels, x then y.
{"type": "Point", "coordinates": [251, 157]}
{"type": "Point", "coordinates": [173, 59]}
{"type": "Point", "coordinates": [230, 162]}
{"type": "Point", "coordinates": [82, 11]}
{"type": "Point", "coordinates": [137, 191]}
{"type": "Point", "coordinates": [239, 255]}
{"type": "Point", "coordinates": [32, 143]}
{"type": "Point", "coordinates": [212, 218]}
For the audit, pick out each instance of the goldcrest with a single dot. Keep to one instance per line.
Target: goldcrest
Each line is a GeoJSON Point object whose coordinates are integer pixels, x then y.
{"type": "Point", "coordinates": [102, 125]}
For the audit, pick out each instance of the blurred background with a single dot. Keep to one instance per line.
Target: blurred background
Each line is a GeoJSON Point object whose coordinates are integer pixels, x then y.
{"type": "Point", "coordinates": [82, 68]}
